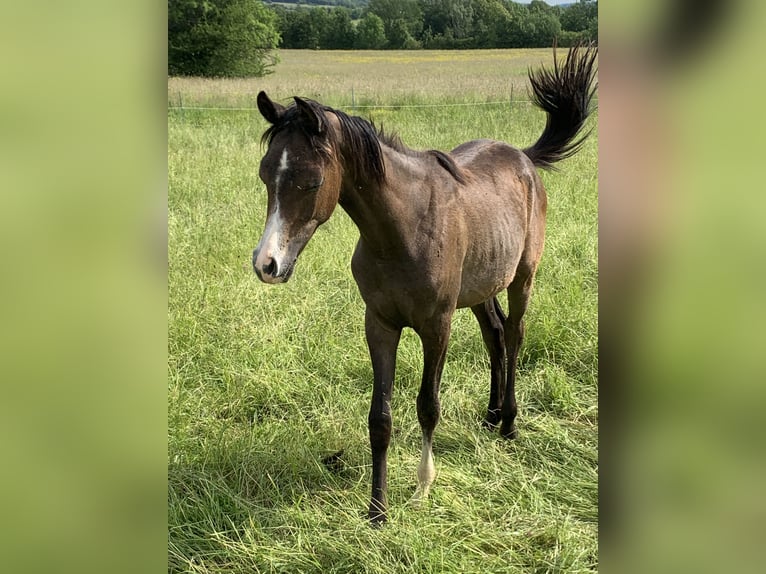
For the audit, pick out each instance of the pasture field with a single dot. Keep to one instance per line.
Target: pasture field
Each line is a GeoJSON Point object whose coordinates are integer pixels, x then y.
{"type": "Point", "coordinates": [265, 382]}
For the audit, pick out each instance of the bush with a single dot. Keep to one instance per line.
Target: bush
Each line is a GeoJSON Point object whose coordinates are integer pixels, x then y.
{"type": "Point", "coordinates": [233, 38]}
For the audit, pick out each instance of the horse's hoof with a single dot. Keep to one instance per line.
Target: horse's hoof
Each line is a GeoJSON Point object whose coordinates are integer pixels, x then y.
{"type": "Point", "coordinates": [492, 419]}
{"type": "Point", "coordinates": [377, 518]}
{"type": "Point", "coordinates": [509, 433]}
{"type": "Point", "coordinates": [334, 462]}
{"type": "Point", "coordinates": [488, 425]}
{"type": "Point", "coordinates": [420, 497]}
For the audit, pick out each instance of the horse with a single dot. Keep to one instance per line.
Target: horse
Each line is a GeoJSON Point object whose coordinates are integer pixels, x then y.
{"type": "Point", "coordinates": [437, 232]}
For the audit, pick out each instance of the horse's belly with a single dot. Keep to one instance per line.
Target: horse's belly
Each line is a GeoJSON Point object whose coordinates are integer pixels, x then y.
{"type": "Point", "coordinates": [473, 292]}
{"type": "Point", "coordinates": [489, 271]}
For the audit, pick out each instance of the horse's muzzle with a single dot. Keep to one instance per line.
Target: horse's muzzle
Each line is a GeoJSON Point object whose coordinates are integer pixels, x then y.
{"type": "Point", "coordinates": [269, 270]}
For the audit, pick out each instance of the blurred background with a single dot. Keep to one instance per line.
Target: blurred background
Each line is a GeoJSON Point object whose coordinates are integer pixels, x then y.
{"type": "Point", "coordinates": [83, 296]}
{"type": "Point", "coordinates": [681, 305]}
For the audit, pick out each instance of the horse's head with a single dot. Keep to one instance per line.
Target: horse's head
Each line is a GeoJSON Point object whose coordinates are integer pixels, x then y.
{"type": "Point", "coordinates": [303, 178]}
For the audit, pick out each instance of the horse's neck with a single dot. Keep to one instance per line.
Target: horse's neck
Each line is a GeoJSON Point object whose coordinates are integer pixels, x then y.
{"type": "Point", "coordinates": [386, 213]}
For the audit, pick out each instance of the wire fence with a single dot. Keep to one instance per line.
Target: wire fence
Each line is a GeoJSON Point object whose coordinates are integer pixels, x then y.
{"type": "Point", "coordinates": [354, 106]}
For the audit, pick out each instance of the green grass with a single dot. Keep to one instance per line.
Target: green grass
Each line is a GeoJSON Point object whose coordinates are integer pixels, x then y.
{"type": "Point", "coordinates": [266, 381]}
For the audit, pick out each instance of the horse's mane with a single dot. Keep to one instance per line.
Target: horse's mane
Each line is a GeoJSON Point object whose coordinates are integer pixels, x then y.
{"type": "Point", "coordinates": [361, 141]}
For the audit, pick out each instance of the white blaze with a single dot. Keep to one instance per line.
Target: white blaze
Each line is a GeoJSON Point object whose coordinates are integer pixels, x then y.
{"type": "Point", "coordinates": [270, 245]}
{"type": "Point", "coordinates": [280, 171]}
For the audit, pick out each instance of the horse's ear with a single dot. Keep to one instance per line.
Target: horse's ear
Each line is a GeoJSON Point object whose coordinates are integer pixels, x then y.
{"type": "Point", "coordinates": [310, 115]}
{"type": "Point", "coordinates": [272, 111]}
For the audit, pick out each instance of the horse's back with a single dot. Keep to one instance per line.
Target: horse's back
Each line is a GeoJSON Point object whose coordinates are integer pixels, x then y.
{"type": "Point", "coordinates": [485, 158]}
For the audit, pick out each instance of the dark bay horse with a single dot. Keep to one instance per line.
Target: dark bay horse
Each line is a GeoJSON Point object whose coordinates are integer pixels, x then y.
{"type": "Point", "coordinates": [438, 231]}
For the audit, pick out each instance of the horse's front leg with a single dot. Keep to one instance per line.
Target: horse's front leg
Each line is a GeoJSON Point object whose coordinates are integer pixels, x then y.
{"type": "Point", "coordinates": [382, 342]}
{"type": "Point", "coordinates": [435, 338]}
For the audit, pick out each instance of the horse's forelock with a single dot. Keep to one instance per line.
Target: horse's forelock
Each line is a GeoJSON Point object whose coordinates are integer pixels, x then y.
{"type": "Point", "coordinates": [354, 139]}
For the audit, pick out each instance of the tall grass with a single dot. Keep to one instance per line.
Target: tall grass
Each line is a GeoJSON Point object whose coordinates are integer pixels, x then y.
{"type": "Point", "coordinates": [265, 382]}
{"type": "Point", "coordinates": [374, 77]}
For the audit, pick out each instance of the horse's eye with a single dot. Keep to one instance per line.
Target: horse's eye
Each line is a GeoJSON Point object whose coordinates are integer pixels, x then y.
{"type": "Point", "coordinates": [312, 187]}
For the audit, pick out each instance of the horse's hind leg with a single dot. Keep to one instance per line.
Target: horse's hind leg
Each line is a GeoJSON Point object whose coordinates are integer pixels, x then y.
{"type": "Point", "coordinates": [518, 299]}
{"type": "Point", "coordinates": [491, 319]}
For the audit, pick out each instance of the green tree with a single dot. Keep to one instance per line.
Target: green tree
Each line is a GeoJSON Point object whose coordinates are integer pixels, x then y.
{"type": "Point", "coordinates": [402, 20]}
{"type": "Point", "coordinates": [399, 36]}
{"type": "Point", "coordinates": [542, 29]}
{"type": "Point", "coordinates": [298, 29]}
{"type": "Point", "coordinates": [581, 20]}
{"type": "Point", "coordinates": [538, 6]}
{"type": "Point", "coordinates": [450, 22]}
{"type": "Point", "coordinates": [340, 34]}
{"type": "Point", "coordinates": [191, 41]}
{"type": "Point", "coordinates": [533, 26]}
{"type": "Point", "coordinates": [490, 23]}
{"type": "Point", "coordinates": [319, 24]}
{"type": "Point", "coordinates": [370, 33]}
{"type": "Point", "coordinates": [233, 38]}
{"type": "Point", "coordinates": [249, 38]}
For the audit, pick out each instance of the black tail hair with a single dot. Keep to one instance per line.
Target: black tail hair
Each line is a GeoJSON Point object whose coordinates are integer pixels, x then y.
{"type": "Point", "coordinates": [565, 94]}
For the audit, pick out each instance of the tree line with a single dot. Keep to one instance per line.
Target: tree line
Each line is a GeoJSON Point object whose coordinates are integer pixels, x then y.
{"type": "Point", "coordinates": [438, 24]}
{"type": "Point", "coordinates": [238, 37]}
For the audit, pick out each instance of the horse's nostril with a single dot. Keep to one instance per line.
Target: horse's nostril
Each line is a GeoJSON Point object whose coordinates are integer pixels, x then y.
{"type": "Point", "coordinates": [270, 268]}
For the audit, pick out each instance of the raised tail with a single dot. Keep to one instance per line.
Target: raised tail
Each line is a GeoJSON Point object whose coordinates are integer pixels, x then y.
{"type": "Point", "coordinates": [565, 94]}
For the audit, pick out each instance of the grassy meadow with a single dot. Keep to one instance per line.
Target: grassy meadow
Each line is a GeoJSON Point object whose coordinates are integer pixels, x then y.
{"type": "Point", "coordinates": [264, 382]}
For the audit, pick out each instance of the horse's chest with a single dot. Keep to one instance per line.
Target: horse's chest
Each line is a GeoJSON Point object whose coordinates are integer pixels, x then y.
{"type": "Point", "coordinates": [403, 291]}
